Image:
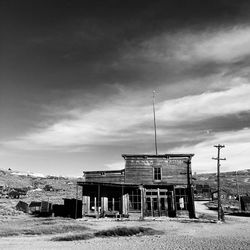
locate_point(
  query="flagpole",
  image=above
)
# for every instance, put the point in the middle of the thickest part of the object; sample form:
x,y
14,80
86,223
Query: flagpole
x,y
154,123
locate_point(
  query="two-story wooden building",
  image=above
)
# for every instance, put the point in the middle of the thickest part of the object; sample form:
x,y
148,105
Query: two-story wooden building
x,y
154,185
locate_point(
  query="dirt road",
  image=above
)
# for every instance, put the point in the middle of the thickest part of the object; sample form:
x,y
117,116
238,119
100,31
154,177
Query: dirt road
x,y
177,234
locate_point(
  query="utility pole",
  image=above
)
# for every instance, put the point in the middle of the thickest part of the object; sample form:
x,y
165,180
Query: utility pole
x,y
238,190
220,212
191,207
237,184
154,123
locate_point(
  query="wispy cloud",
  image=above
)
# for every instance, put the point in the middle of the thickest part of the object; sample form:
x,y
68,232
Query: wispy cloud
x,y
237,146
187,55
228,45
87,88
206,105
117,122
218,45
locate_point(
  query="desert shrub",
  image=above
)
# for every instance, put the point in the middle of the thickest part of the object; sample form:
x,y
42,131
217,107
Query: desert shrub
x,y
8,234
126,231
73,237
41,228
113,232
53,229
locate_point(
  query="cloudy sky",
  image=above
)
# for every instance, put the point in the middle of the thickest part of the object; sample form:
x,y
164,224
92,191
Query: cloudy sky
x,y
76,82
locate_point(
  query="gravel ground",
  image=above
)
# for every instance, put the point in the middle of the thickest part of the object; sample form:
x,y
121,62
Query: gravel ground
x,y
177,234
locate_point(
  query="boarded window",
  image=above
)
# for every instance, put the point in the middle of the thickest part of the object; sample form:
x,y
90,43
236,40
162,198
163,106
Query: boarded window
x,y
157,173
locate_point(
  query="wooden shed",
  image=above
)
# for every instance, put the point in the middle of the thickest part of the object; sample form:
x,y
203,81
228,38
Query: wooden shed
x,y
245,203
22,206
225,195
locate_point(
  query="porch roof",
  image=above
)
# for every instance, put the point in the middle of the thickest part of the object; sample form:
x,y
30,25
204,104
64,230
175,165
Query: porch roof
x,y
86,183
128,185
156,156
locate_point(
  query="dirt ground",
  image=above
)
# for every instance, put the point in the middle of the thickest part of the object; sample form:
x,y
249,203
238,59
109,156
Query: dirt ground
x,y
177,233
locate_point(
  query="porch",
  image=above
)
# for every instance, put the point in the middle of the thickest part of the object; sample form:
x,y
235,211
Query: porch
x,y
110,199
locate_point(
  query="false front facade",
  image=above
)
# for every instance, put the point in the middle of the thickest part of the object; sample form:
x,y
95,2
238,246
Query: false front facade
x,y
152,185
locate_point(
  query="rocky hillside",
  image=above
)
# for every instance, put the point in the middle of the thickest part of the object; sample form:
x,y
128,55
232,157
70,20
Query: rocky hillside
x,y
48,188
228,181
54,188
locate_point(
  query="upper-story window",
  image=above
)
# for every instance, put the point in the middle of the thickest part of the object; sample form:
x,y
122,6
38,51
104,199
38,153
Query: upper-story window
x,y
157,173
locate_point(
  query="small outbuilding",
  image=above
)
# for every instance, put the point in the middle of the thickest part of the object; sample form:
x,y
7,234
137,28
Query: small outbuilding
x,y
245,203
13,194
72,208
22,206
224,194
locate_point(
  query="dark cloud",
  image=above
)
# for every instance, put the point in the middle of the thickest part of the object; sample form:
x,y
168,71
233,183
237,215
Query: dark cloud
x,y
62,54
56,43
215,124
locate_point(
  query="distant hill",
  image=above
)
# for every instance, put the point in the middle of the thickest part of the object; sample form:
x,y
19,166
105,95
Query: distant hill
x,y
64,187
228,181
61,187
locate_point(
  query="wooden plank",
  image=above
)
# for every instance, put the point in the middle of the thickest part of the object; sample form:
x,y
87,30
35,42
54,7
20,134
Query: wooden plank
x,y
113,204
156,190
86,204
95,204
152,207
142,203
158,202
104,179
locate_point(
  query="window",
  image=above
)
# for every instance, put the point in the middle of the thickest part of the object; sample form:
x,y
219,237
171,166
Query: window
x,y
135,200
181,198
157,173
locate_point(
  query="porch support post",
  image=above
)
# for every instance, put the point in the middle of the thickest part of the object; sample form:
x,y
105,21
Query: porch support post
x,y
191,207
98,201
121,209
82,199
142,202
95,204
152,206
76,200
113,204
158,202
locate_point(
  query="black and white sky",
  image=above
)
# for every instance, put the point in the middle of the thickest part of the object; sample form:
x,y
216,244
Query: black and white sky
x,y
76,82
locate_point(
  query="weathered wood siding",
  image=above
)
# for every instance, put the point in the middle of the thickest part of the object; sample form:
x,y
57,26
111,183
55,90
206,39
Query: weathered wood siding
x,y
104,178
140,170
